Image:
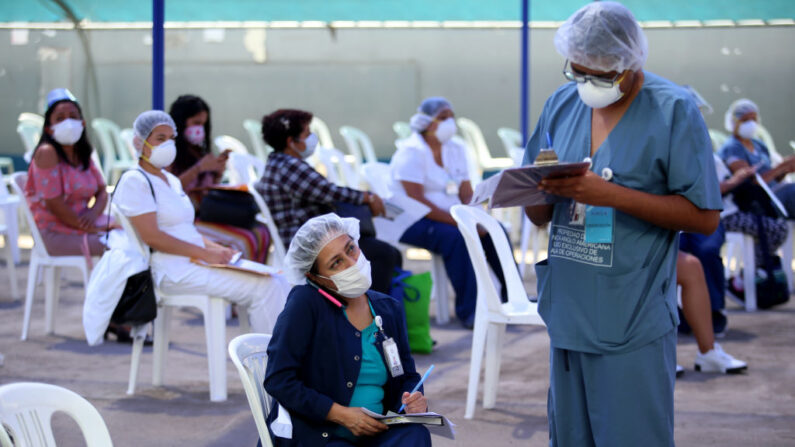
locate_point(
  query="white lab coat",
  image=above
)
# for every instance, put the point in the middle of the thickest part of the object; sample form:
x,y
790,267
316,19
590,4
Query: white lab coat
x,y
107,283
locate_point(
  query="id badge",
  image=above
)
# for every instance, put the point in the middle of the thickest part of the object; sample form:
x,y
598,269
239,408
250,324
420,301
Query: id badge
x,y
392,357
576,213
599,224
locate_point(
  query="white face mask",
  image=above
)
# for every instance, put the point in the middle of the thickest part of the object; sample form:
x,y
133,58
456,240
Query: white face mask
x,y
747,129
354,280
445,130
68,131
598,97
311,144
162,155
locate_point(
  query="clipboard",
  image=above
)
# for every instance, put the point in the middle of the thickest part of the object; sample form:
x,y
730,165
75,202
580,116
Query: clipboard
x,y
242,265
519,186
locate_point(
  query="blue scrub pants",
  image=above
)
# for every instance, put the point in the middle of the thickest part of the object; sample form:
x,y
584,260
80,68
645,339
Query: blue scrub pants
x,y
397,436
707,250
614,399
445,239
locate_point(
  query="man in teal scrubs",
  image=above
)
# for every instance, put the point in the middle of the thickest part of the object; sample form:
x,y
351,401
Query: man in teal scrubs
x,y
607,291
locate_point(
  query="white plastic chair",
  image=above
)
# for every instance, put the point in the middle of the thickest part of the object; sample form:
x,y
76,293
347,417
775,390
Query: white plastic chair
x,y
9,204
511,139
338,169
402,129
491,315
763,134
377,175
744,244
116,156
29,128
127,135
224,142
244,168
249,353
27,409
718,138
213,312
359,145
531,234
474,138
10,265
254,131
264,216
321,129
50,266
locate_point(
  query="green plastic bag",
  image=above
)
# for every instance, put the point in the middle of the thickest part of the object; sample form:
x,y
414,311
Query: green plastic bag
x,y
415,292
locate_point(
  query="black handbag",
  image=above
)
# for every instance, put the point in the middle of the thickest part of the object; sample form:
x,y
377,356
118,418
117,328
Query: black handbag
x,y
229,207
360,212
138,303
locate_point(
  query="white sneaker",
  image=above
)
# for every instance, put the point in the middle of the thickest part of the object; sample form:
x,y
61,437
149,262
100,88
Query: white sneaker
x,y
716,360
679,371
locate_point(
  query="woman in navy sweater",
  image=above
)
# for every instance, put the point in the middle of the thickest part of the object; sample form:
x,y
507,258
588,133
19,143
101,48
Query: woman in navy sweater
x,y
339,347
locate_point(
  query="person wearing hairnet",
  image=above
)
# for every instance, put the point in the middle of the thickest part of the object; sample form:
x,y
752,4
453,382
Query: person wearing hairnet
x,y
162,215
607,291
744,150
425,166
339,347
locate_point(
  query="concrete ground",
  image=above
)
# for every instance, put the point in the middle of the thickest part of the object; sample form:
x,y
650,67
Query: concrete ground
x,y
753,409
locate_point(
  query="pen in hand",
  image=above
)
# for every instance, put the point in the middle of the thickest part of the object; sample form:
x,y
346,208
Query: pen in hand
x,y
417,386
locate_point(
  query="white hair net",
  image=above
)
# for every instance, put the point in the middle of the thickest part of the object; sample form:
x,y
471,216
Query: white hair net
x,y
603,36
146,123
736,111
313,235
429,108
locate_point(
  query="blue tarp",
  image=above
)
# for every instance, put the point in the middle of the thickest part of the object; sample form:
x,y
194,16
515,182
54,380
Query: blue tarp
x,y
330,10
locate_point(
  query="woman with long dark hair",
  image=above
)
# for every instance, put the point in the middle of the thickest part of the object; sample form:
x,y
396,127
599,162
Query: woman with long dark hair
x,y
62,180
199,169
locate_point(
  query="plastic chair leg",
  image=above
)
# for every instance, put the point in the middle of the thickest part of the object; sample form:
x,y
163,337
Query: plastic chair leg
x,y
491,381
135,361
12,269
162,323
243,319
12,226
52,276
527,226
478,346
440,289
749,273
215,332
29,292
786,256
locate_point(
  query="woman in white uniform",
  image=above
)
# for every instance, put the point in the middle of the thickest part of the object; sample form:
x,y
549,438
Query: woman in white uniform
x,y
162,214
425,165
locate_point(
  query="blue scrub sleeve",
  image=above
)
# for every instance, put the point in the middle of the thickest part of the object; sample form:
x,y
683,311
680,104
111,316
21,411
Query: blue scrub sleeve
x,y
733,151
691,170
291,339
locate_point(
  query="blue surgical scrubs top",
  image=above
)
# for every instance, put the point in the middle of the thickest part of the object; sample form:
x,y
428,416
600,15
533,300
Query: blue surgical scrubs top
x,y
616,297
733,150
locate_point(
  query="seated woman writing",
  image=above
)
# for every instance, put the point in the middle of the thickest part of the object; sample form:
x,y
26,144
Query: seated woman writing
x,y
162,214
327,359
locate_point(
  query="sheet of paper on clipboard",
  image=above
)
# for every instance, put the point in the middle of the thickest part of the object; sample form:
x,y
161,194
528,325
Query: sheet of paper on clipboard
x,y
519,186
401,212
243,265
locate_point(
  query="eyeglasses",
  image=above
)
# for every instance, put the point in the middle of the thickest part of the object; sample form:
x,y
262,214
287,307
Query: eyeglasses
x,y
573,74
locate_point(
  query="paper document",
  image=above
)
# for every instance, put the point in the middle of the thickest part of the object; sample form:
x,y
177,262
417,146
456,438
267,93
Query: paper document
x,y
773,198
519,186
401,212
243,265
437,424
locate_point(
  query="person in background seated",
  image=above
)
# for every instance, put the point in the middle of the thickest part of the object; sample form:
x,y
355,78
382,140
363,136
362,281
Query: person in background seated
x,y
63,180
198,169
424,166
325,360
161,212
295,192
695,305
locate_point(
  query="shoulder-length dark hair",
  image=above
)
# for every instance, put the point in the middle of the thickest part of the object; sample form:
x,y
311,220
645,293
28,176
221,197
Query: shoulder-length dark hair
x,y
82,147
188,154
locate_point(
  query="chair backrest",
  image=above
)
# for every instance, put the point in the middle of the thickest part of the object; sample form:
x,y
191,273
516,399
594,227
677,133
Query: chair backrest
x,y
378,175
26,408
359,144
718,138
250,357
468,218
473,166
29,129
244,168
338,170
18,180
132,235
402,129
474,136
109,135
126,148
224,142
763,134
511,138
319,128
254,131
278,245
